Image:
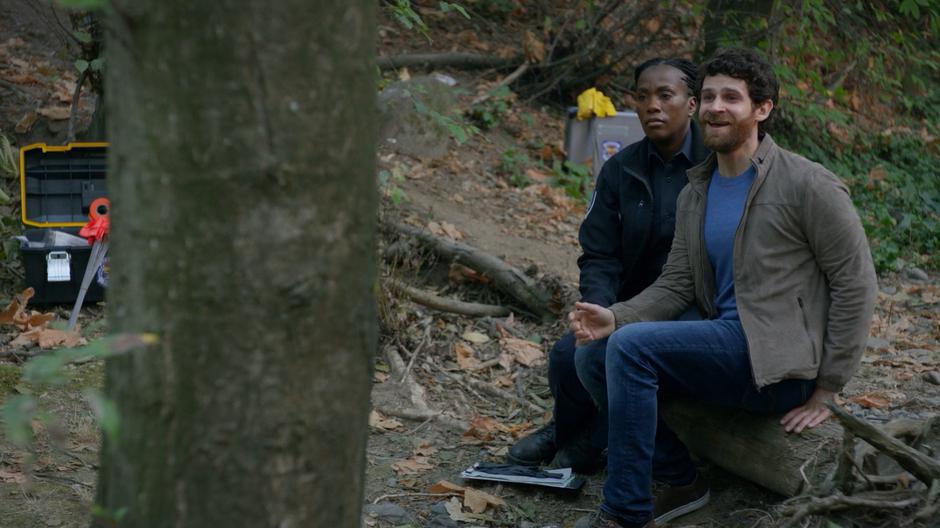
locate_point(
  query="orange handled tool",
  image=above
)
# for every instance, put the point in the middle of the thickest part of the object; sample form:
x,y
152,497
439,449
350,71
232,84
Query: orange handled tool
x,y
96,232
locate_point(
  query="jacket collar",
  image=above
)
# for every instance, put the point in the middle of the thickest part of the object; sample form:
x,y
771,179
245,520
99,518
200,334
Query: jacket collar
x,y
700,174
641,160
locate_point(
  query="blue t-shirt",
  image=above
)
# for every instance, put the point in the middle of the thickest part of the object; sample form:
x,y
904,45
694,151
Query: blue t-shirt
x,y
723,211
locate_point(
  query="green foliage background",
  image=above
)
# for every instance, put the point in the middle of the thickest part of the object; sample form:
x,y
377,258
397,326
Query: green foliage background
x,y
861,95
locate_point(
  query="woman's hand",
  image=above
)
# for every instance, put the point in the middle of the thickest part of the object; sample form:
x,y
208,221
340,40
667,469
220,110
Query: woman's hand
x,y
810,414
590,322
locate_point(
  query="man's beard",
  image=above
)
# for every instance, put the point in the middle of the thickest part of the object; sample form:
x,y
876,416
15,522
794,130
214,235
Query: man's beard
x,y
733,136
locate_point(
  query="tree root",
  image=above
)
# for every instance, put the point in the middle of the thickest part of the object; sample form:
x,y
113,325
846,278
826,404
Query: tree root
x,y
920,465
444,304
836,502
506,278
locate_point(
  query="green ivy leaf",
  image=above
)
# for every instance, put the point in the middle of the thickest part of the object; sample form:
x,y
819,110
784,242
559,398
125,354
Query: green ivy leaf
x,y
82,36
81,65
96,64
105,412
18,413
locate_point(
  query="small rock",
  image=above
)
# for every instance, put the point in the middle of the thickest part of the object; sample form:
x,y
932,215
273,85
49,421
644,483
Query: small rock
x,y
917,274
583,522
932,377
439,509
389,512
442,521
889,290
878,343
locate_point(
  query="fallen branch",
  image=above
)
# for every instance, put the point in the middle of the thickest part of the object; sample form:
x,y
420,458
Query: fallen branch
x,y
509,79
444,304
426,414
932,504
920,465
442,60
508,279
838,501
493,390
421,411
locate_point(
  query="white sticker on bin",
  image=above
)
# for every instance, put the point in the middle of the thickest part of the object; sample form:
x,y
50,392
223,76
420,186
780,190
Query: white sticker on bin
x,y
58,266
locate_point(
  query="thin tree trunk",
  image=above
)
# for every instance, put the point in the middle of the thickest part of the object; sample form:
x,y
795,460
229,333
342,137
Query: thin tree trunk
x,y
242,177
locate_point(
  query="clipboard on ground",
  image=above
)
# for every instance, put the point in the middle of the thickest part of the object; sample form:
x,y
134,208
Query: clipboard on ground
x,y
560,478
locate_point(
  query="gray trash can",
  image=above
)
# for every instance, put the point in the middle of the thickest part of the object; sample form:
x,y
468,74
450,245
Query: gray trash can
x,y
593,141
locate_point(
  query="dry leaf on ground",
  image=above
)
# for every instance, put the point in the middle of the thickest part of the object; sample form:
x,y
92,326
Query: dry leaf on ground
x,y
425,448
445,229
533,48
475,337
459,274
412,466
466,357
477,500
16,306
55,113
48,338
525,352
484,428
378,421
26,122
40,319
445,486
871,400
451,231
455,511
12,476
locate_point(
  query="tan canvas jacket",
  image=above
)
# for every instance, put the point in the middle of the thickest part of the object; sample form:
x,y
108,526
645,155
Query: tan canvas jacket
x,y
803,275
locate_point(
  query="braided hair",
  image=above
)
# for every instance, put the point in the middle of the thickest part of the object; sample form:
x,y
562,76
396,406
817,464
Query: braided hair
x,y
687,67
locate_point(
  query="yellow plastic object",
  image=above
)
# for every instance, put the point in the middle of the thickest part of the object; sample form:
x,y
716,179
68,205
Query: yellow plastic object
x,y
47,148
592,102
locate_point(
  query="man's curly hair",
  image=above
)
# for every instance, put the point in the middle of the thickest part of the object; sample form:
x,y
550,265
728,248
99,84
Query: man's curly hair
x,y
748,66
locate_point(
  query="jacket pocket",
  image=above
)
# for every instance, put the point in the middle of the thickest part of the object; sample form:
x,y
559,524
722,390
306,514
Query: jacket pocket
x,y
809,335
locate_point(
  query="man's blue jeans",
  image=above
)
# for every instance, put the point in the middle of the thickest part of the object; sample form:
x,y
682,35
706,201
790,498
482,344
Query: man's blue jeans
x,y
705,360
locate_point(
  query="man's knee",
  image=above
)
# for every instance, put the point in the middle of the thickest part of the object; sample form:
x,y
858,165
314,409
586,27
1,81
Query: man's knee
x,y
562,354
626,343
561,371
590,363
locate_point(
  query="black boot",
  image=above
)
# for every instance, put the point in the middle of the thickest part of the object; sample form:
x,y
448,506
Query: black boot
x,y
536,449
580,455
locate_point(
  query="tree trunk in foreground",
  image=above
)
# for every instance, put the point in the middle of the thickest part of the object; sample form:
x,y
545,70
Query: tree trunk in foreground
x,y
756,447
242,176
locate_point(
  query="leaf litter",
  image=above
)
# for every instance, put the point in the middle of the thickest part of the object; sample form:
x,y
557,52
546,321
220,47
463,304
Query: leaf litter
x,y
35,327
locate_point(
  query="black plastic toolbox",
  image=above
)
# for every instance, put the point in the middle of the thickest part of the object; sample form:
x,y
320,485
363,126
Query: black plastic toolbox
x,y
57,186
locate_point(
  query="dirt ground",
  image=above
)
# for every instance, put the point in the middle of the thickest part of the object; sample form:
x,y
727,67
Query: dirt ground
x,y
465,193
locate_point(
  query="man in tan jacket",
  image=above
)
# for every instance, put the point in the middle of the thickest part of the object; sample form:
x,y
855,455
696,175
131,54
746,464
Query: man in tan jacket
x,y
770,247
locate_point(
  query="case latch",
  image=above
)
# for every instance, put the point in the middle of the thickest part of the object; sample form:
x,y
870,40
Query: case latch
x,y
58,266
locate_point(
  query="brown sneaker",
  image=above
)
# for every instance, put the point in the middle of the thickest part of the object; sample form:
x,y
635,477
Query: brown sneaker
x,y
675,501
602,519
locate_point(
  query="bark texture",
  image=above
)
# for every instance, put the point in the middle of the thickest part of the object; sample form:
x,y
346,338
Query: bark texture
x,y
242,177
756,447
